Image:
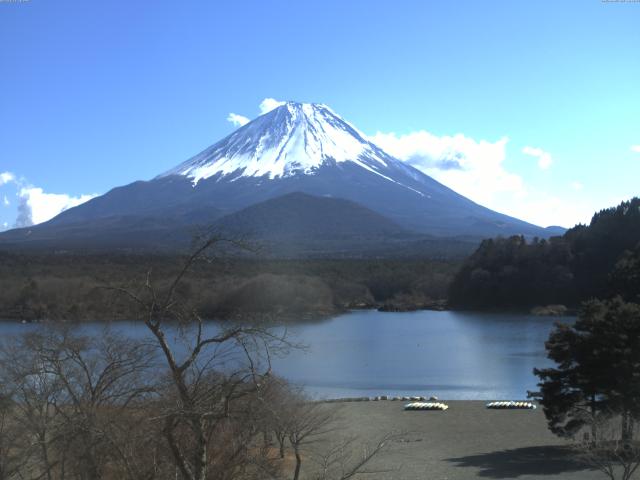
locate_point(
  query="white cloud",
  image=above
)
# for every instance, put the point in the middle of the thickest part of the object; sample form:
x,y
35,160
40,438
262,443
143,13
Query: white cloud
x,y
6,177
544,158
269,104
545,209
37,206
5,225
265,106
475,169
470,167
237,120
34,204
635,148
577,185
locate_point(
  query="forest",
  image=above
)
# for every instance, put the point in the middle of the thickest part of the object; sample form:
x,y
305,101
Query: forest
x,y
81,287
599,260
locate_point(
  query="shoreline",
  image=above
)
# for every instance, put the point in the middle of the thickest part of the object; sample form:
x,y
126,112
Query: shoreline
x,y
290,318
399,399
466,441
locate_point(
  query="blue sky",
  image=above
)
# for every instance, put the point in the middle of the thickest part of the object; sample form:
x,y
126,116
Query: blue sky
x,y
540,98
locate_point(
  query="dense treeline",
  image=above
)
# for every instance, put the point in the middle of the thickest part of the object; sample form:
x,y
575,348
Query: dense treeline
x,y
73,287
598,260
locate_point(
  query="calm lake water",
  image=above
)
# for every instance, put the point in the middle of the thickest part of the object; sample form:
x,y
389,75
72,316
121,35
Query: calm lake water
x,y
453,355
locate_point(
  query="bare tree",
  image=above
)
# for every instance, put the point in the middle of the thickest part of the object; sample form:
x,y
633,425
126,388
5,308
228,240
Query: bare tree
x,y
305,423
12,440
272,412
34,396
100,378
614,449
340,461
209,374
70,395
309,429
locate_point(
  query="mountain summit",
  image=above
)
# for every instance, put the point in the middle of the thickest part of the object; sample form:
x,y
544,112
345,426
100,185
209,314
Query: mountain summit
x,y
297,147
293,139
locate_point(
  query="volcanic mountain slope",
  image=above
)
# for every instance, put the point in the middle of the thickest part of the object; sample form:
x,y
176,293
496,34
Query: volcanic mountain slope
x,y
298,225
294,148
301,216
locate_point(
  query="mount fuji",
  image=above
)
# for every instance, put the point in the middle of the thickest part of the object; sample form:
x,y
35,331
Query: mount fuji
x,y
305,155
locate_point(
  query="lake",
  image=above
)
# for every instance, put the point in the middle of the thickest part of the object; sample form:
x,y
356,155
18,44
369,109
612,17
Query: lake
x,y
453,355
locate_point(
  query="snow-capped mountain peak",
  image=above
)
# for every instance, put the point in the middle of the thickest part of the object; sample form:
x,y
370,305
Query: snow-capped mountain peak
x,y
306,156
293,139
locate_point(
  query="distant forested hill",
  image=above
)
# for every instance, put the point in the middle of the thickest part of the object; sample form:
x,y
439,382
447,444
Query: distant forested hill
x,y
598,260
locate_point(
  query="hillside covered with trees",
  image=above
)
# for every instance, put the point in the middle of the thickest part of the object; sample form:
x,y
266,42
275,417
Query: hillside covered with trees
x,y
80,287
601,260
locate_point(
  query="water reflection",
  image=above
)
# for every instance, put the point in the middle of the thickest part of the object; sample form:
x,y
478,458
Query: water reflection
x,y
449,354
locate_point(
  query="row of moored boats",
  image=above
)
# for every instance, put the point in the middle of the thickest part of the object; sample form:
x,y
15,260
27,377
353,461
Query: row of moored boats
x,y
500,405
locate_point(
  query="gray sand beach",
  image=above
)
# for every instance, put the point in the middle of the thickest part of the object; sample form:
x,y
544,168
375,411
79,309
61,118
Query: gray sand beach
x,y
465,442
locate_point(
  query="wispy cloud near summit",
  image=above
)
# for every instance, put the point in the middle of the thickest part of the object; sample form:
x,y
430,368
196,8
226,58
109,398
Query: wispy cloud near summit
x,y
237,120
269,104
265,106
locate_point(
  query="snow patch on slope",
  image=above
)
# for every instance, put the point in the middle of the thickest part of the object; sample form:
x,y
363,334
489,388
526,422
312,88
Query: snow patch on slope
x,y
295,138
